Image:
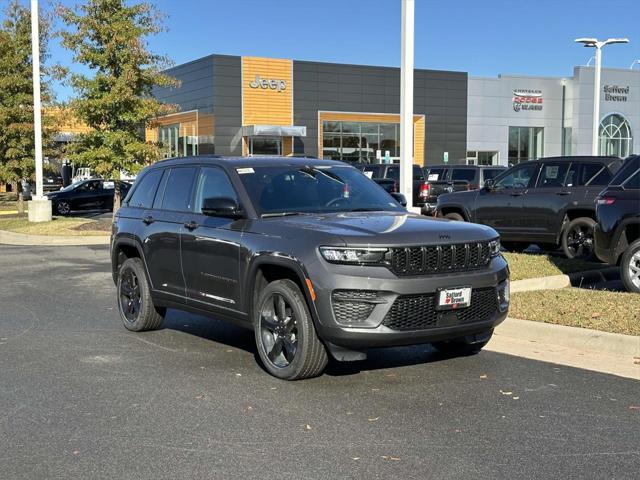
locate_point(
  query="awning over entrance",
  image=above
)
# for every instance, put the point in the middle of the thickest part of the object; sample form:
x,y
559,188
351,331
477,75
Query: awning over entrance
x,y
273,131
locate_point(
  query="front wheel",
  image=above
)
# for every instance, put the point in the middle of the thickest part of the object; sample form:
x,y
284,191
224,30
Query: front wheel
x,y
630,267
135,304
286,338
63,207
577,238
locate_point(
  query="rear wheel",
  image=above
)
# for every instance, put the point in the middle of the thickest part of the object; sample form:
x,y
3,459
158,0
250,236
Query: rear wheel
x,y
469,345
630,267
577,238
454,216
285,334
135,304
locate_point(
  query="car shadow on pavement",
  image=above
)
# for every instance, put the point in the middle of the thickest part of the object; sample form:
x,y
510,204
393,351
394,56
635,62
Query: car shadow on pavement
x,y
227,334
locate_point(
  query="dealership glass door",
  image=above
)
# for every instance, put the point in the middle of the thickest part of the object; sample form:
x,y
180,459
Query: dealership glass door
x,y
525,143
265,146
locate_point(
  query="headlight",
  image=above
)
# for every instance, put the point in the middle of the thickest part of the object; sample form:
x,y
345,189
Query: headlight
x,y
494,247
503,295
353,255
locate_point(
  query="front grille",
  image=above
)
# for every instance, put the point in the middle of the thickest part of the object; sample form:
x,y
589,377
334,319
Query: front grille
x,y
353,306
440,259
417,312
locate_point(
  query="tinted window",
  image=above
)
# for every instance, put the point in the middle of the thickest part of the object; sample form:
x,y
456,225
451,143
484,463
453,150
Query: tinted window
x,y
372,171
491,173
552,175
417,173
436,174
394,173
572,175
628,167
145,190
212,183
518,177
177,193
633,183
90,186
468,174
594,174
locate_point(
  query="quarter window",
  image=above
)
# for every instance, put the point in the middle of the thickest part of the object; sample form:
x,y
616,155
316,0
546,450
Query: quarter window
x,y
594,175
633,183
145,190
177,193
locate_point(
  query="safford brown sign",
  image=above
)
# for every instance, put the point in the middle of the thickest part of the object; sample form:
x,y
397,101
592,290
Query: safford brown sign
x,y
526,99
615,93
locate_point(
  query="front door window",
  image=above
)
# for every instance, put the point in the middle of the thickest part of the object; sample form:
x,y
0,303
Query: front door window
x,y
265,146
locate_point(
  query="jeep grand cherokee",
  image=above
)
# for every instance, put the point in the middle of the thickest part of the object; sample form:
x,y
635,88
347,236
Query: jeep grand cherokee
x,y
312,255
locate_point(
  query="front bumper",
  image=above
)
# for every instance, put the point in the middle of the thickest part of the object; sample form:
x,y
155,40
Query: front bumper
x,y
376,331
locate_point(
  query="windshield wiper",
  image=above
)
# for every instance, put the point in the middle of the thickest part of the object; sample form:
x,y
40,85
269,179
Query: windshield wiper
x,y
279,214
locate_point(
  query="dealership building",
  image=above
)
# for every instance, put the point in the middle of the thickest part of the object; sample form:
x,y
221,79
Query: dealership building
x,y
229,105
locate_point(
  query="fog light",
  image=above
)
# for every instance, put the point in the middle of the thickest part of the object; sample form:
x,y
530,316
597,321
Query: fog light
x,y
503,295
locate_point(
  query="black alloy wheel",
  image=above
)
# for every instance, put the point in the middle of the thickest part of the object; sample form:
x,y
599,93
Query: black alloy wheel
x,y
129,295
577,238
63,207
278,330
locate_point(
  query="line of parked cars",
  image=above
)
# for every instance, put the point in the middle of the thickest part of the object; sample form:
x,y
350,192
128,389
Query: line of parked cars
x,y
585,205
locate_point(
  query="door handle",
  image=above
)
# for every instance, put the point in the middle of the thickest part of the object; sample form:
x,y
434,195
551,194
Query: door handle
x,y
148,220
516,194
191,225
563,193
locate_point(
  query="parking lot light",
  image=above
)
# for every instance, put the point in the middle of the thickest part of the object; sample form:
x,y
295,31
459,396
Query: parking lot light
x,y
598,45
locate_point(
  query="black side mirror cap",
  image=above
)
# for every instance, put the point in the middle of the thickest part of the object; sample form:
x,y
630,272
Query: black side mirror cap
x,y
400,198
221,207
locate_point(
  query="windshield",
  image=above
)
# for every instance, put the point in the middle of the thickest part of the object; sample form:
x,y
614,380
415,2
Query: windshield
x,y
291,189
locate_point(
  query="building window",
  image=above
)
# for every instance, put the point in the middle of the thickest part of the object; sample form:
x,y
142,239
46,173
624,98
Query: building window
x,y
615,136
525,143
265,146
566,141
475,157
178,140
359,141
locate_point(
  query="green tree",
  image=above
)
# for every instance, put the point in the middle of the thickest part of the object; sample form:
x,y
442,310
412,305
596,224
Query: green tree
x,y
16,96
114,98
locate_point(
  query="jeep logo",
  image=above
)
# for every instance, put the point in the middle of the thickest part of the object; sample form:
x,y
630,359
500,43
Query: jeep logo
x,y
273,84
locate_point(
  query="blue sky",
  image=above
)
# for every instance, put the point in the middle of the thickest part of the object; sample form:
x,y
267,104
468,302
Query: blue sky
x,y
482,37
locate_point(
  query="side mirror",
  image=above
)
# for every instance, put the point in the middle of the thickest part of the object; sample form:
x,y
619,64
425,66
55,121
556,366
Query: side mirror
x,y
489,184
400,198
221,207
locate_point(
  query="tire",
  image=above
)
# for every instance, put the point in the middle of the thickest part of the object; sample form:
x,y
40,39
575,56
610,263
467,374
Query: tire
x,y
454,216
577,238
515,246
462,346
289,349
135,304
630,267
63,207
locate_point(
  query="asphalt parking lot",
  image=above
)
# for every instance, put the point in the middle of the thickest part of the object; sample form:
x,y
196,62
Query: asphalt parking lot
x,y
81,397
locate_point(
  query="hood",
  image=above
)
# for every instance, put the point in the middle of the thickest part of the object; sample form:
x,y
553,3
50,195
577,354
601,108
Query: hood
x,y
379,228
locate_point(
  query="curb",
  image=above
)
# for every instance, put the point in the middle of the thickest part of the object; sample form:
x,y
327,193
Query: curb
x,y
572,337
21,239
555,282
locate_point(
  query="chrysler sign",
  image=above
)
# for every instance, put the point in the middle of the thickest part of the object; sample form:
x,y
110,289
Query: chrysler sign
x,y
265,83
525,99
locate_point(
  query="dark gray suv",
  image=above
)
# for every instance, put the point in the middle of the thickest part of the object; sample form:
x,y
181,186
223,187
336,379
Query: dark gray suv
x,y
312,255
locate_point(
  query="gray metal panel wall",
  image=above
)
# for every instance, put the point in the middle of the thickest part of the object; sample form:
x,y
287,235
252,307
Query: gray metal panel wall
x,y
195,91
227,104
440,95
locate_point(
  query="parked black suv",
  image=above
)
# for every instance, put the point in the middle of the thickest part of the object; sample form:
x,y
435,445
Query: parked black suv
x,y
454,178
391,171
310,254
548,202
617,234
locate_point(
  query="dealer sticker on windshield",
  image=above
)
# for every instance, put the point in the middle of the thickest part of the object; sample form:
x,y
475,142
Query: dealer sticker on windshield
x,y
453,298
244,171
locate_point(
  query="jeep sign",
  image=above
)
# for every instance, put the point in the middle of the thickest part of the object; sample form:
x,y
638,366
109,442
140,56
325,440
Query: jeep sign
x,y
273,84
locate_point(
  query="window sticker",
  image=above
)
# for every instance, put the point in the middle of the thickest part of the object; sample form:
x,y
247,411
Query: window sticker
x,y
433,177
242,171
368,174
552,172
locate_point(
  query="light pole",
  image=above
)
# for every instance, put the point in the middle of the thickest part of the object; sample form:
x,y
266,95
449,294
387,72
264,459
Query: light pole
x,y
39,206
595,43
406,102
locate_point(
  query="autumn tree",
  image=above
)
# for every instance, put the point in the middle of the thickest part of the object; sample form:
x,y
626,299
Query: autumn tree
x,y
17,150
114,97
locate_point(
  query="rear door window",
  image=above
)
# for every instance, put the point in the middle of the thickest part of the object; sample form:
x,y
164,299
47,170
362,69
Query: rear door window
x,y
463,174
145,190
417,173
371,171
177,193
